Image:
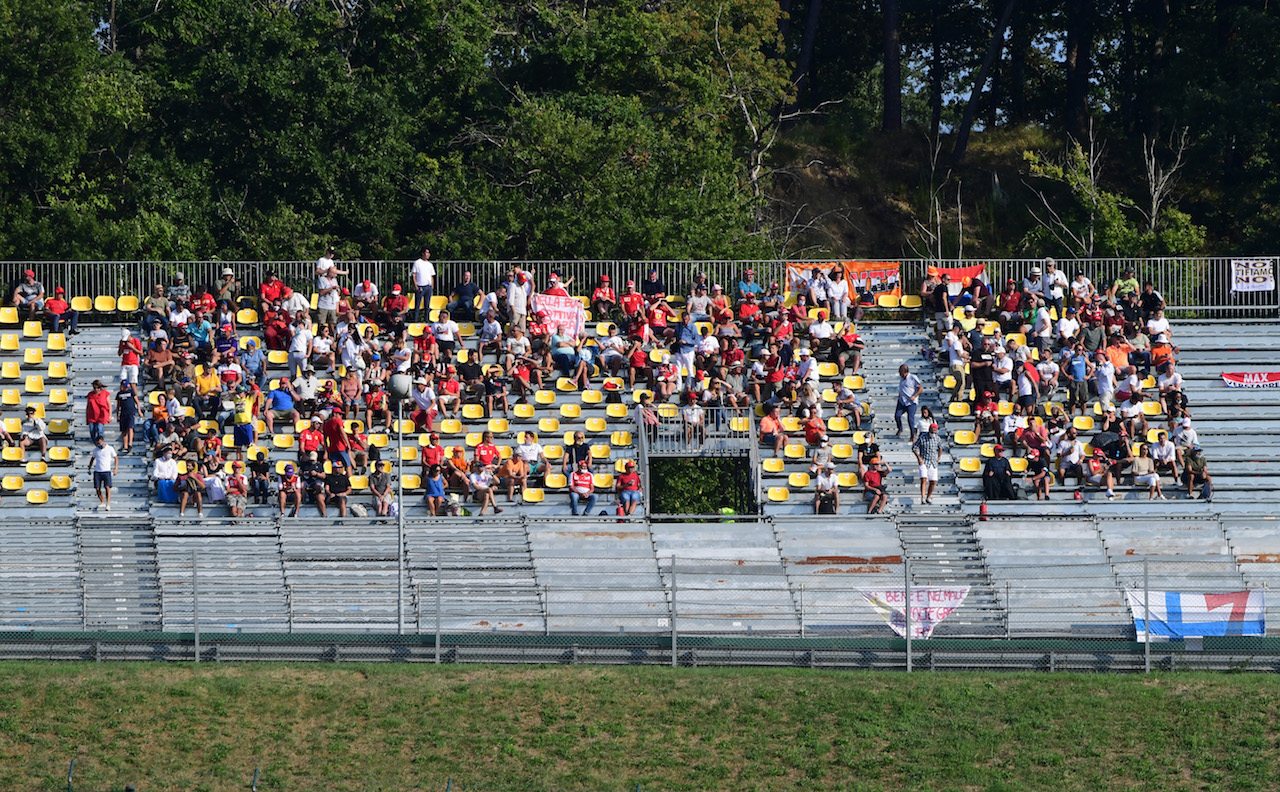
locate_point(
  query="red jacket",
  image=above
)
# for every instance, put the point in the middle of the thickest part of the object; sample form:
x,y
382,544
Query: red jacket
x,y
98,410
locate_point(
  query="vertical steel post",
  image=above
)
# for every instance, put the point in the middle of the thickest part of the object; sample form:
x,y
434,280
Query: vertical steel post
x,y
439,596
802,613
674,630
195,605
399,518
906,606
1146,617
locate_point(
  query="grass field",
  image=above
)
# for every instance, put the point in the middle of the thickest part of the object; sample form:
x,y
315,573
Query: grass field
x,y
401,727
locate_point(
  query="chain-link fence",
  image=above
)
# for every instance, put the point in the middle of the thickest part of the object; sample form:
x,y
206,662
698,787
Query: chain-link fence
x,y
620,592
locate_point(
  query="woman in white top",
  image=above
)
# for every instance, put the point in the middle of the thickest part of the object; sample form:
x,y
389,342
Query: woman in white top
x,y
446,332
531,452
322,349
838,296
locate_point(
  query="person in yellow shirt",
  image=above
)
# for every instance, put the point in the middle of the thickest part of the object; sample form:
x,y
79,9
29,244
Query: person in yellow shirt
x,y
208,400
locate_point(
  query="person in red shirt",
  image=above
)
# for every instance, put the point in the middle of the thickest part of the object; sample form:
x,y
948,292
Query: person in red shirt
x,y
97,410
271,291
582,489
395,307
448,390
57,310
336,443
486,452
815,430
631,301
874,494
276,331
203,301
432,454
555,288
628,490
603,300
311,439
129,349
659,314
377,409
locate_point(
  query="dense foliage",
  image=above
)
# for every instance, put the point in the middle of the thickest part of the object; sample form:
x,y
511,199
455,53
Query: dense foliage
x,y
660,128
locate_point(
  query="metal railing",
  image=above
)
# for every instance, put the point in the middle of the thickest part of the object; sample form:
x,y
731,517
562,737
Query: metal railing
x,y
1193,286
693,430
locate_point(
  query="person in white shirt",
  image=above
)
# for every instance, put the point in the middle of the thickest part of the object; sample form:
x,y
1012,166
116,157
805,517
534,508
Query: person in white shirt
x,y
1053,285
180,316
1033,284
1043,329
1070,453
1165,454
956,359
821,331
531,452
838,295
327,299
1082,289
166,467
295,304
423,275
1157,324
300,347
699,305
827,486
325,261
1184,437
1002,373
446,332
1068,327
103,463
1170,384
1104,378
807,371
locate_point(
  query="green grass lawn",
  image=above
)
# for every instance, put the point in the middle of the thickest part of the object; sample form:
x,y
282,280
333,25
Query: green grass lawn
x,y
401,727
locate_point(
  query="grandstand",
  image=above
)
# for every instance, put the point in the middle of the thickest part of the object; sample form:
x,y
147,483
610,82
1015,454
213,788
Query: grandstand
x,y
1053,568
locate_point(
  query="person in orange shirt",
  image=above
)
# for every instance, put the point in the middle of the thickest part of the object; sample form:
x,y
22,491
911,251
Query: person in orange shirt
x,y
771,430
1118,351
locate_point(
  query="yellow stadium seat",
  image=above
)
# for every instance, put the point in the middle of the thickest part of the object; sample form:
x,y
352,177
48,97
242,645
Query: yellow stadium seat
x,y
35,384
620,466
597,425
855,382
282,441
81,304
450,426
600,451
888,301
379,440
127,303
1151,408
473,439
639,392
438,302
410,481
245,339
1018,465
1004,408
57,370
12,483
278,357
406,425
860,437
847,479
970,464
794,451
911,301
354,426
779,494
798,480
472,412
58,396
553,452
359,483
791,424
949,382
10,369
8,315
11,397
828,369
838,424
228,441
616,411
965,437
60,483
990,328
1082,423
39,408
246,316
60,454
571,411
621,439
555,481
829,395
842,451
565,384
550,425
9,342
532,495
524,410
739,423
545,397
774,465
56,342
1153,435
603,481
499,425
104,303
11,453
987,450
655,355
466,330
37,497
668,410
959,409
1149,382
592,397
1020,338
408,453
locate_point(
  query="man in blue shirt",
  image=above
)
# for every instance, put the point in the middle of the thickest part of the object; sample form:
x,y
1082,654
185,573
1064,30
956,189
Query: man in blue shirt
x,y
686,349
1078,371
748,285
254,363
280,405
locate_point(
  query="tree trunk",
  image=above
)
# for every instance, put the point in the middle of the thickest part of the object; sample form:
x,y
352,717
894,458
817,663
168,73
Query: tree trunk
x,y
804,64
1080,15
993,50
1019,44
935,73
892,120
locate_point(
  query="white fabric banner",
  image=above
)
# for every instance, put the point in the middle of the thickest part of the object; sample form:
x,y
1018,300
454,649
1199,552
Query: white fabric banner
x,y
929,606
566,312
1253,275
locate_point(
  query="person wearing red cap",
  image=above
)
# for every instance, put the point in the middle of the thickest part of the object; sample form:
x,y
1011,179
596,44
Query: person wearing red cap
x,y
997,477
29,295
364,298
603,300
58,311
628,489
748,285
395,311
630,301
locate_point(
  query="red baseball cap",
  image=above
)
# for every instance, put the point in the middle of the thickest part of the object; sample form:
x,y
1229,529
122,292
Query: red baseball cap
x,y
604,278
59,290
367,285
30,273
396,289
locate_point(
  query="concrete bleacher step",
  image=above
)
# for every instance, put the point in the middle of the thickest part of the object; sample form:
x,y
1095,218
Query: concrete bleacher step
x,y
118,565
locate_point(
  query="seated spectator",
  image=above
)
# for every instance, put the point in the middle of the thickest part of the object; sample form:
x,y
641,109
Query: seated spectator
x,y
874,492
582,489
462,299
1195,473
997,477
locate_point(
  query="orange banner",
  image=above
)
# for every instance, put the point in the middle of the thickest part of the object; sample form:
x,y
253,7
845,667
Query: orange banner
x,y
877,277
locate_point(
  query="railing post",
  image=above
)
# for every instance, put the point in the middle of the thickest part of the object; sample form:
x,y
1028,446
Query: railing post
x,y
1146,617
439,596
906,606
195,605
802,614
546,608
675,662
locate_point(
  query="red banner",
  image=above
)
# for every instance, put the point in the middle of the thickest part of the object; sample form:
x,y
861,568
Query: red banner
x,y
1252,379
877,277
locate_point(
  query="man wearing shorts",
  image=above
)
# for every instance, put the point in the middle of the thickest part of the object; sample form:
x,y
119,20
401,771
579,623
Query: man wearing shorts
x,y
926,448
103,461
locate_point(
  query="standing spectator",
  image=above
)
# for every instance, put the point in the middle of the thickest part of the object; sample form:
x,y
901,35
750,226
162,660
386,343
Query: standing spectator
x,y
582,489
129,349
300,347
128,408
336,442
997,477
423,274
1054,285
104,463
58,311
29,295
909,390
97,409
926,448
327,301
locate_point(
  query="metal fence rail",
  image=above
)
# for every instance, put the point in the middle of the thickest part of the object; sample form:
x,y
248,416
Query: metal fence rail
x,y
1195,286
